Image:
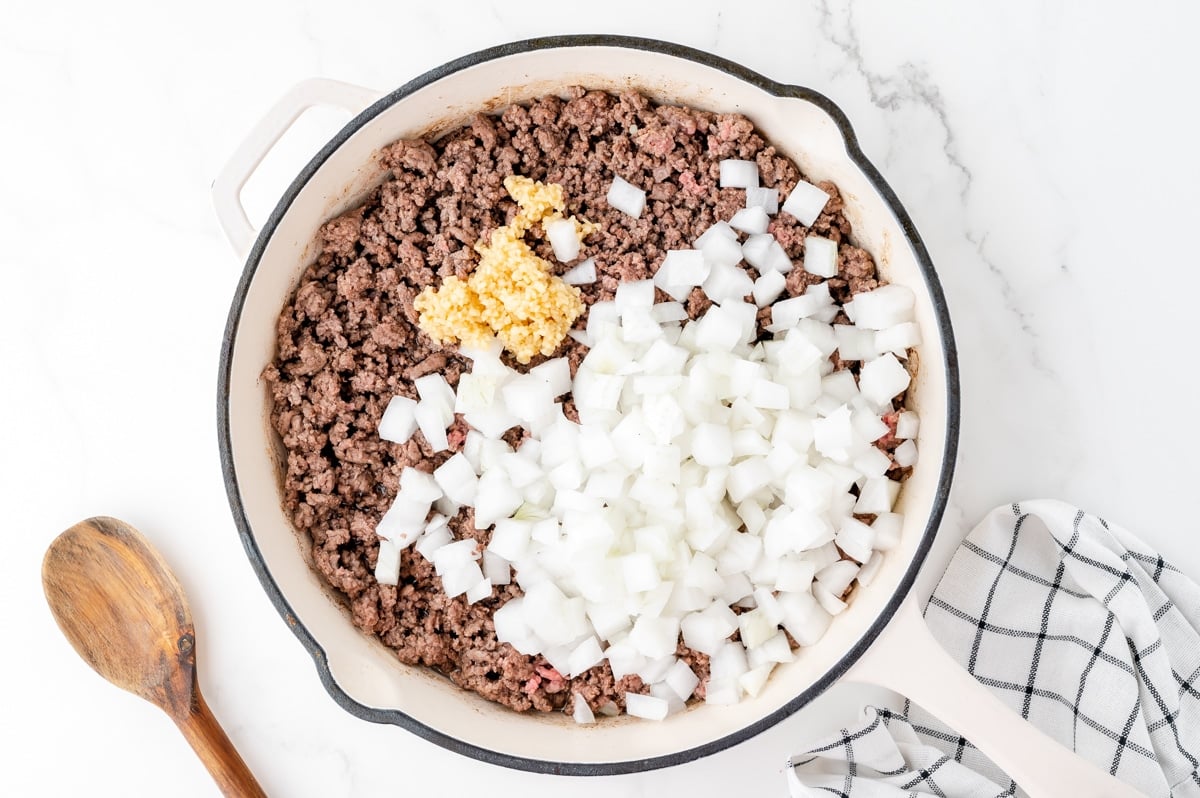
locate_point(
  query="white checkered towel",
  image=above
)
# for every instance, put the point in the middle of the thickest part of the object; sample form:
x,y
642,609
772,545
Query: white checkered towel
x,y
1072,622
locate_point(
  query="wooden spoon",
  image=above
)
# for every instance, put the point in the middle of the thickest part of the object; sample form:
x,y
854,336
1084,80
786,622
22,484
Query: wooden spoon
x,y
122,609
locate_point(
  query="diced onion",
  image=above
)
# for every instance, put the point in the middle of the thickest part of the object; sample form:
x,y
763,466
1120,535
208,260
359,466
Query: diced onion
x,y
582,273
805,202
564,239
820,256
765,198
768,287
645,706
906,454
387,566
750,220
882,379
626,197
581,712
399,421
907,425
719,229
738,174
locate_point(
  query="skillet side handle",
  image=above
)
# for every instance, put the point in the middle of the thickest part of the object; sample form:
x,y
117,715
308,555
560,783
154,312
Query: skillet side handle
x,y
907,659
227,187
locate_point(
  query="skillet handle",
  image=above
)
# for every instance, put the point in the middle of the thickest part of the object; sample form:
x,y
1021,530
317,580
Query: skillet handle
x,y
907,659
227,188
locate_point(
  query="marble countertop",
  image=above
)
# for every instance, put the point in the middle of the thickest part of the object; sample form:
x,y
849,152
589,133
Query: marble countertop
x,y
1046,151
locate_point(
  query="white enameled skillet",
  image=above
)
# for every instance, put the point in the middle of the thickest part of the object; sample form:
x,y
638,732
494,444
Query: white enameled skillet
x,y
880,638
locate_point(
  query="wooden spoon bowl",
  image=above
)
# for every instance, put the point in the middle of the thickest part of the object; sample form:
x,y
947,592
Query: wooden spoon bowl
x,y
119,605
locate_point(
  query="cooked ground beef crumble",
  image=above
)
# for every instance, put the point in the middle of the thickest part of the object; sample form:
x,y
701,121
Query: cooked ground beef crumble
x,y
348,339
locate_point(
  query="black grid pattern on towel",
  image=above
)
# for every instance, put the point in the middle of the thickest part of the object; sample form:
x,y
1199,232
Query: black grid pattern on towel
x,y
1090,654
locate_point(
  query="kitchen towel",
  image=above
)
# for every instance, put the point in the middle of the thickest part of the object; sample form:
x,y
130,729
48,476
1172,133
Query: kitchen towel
x,y
1073,622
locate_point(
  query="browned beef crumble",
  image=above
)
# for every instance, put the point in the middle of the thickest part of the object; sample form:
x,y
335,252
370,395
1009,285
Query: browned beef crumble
x,y
348,339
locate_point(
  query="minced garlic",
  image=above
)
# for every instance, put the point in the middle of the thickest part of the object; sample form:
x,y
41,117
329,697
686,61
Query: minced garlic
x,y
512,293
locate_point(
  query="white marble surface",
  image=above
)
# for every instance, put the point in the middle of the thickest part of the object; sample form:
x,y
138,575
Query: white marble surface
x,y
1045,150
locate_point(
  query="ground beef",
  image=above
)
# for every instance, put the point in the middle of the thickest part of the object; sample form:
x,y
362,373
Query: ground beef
x,y
348,339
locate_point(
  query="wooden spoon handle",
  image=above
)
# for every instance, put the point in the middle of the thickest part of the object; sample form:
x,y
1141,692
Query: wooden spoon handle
x,y
217,753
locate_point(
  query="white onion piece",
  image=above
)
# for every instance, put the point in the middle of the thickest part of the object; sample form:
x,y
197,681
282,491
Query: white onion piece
x,y
496,569
738,174
583,657
768,287
803,618
765,198
856,539
626,197
460,578
898,339
399,421
906,454
755,628
828,601
563,238
787,314
456,478
764,252
655,637
404,521
707,631
724,693
609,709
582,273
556,373
684,267
721,251
836,577
882,379
664,312
634,296
510,539
907,425
752,681
434,538
805,202
581,712
387,564
877,496
556,618
495,499
750,220
682,680
645,706
854,343
725,669
884,307
640,572
834,434
432,423
719,228
675,703
868,425
820,256
608,619
777,649
479,591
477,392
434,390
871,462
